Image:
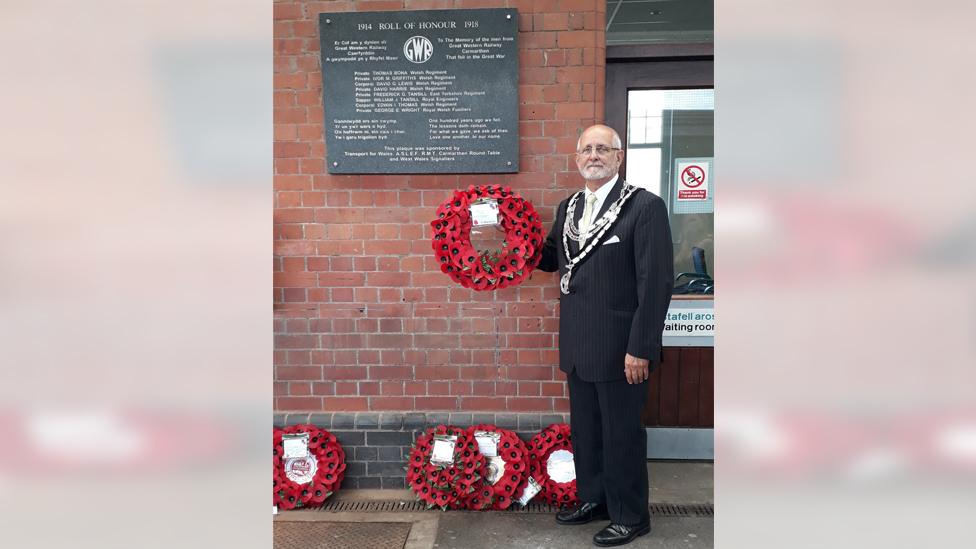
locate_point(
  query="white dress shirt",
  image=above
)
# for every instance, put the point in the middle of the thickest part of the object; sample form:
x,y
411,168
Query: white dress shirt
x,y
601,196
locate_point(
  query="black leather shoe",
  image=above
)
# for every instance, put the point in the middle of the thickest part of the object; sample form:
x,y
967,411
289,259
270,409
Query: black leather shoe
x,y
583,513
618,534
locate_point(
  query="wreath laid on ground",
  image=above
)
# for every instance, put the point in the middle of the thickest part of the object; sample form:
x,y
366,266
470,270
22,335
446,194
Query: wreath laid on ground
x,y
448,483
492,269
506,471
551,465
307,480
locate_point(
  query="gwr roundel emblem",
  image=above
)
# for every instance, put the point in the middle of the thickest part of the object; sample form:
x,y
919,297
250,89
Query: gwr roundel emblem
x,y
301,470
417,49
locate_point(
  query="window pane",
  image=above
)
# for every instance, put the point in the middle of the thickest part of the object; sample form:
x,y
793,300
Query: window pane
x,y
653,129
671,134
688,100
637,130
644,169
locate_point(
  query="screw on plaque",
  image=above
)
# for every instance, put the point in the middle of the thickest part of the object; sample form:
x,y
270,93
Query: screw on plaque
x,y
328,21
334,164
508,16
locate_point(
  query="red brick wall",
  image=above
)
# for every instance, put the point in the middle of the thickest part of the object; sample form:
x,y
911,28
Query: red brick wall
x,y
364,319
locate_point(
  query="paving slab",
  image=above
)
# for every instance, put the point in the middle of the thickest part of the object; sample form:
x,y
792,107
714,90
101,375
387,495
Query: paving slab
x,y
681,481
469,530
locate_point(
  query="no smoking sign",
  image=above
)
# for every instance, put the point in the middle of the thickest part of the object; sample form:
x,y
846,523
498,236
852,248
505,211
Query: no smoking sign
x,y
693,181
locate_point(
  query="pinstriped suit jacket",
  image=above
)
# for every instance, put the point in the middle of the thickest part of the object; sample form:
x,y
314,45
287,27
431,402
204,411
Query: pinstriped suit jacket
x,y
619,294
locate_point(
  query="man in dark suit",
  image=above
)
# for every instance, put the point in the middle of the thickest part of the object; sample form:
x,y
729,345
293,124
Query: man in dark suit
x,y
615,259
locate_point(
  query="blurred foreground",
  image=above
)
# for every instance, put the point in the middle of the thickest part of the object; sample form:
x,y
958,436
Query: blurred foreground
x,y
134,292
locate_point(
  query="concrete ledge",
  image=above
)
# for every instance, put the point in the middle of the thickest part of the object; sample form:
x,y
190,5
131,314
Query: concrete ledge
x,y
674,482
365,494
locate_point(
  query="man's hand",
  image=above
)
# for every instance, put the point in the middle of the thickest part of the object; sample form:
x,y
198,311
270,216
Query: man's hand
x,y
635,369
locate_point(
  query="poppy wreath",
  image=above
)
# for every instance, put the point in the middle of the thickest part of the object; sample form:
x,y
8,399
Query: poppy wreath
x,y
487,270
441,484
324,474
543,444
511,450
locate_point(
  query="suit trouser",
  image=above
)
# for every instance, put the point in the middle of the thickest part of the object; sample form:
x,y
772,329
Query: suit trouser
x,y
610,446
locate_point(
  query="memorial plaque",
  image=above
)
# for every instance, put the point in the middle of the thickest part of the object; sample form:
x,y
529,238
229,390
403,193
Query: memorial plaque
x,y
420,91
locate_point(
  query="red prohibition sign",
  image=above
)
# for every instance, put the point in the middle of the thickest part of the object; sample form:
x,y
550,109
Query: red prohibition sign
x,y
692,176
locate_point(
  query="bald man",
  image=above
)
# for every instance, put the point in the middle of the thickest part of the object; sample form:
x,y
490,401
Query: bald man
x,y
611,243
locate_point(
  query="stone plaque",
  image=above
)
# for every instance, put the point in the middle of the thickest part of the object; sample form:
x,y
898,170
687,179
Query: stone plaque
x,y
420,91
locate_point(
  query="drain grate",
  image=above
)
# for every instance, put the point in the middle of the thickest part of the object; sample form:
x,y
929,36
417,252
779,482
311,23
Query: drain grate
x,y
673,510
394,506
388,506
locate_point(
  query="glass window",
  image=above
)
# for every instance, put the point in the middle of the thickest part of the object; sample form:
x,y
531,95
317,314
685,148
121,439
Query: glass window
x,y
644,168
669,152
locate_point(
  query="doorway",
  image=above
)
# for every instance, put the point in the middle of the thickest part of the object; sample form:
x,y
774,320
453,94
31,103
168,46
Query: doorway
x,y
661,100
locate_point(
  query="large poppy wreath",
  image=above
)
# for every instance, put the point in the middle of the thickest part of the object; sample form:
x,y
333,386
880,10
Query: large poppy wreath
x,y
551,464
505,473
307,481
445,485
487,270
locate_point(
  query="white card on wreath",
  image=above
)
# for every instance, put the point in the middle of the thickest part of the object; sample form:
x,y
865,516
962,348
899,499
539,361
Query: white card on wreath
x,y
484,213
295,446
488,442
443,452
531,489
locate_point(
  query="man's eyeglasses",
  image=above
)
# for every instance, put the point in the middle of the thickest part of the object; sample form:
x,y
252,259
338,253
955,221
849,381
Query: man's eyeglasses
x,y
600,150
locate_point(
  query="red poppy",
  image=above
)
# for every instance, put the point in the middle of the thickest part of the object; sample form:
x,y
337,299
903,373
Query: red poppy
x,y
446,486
330,467
543,444
498,495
